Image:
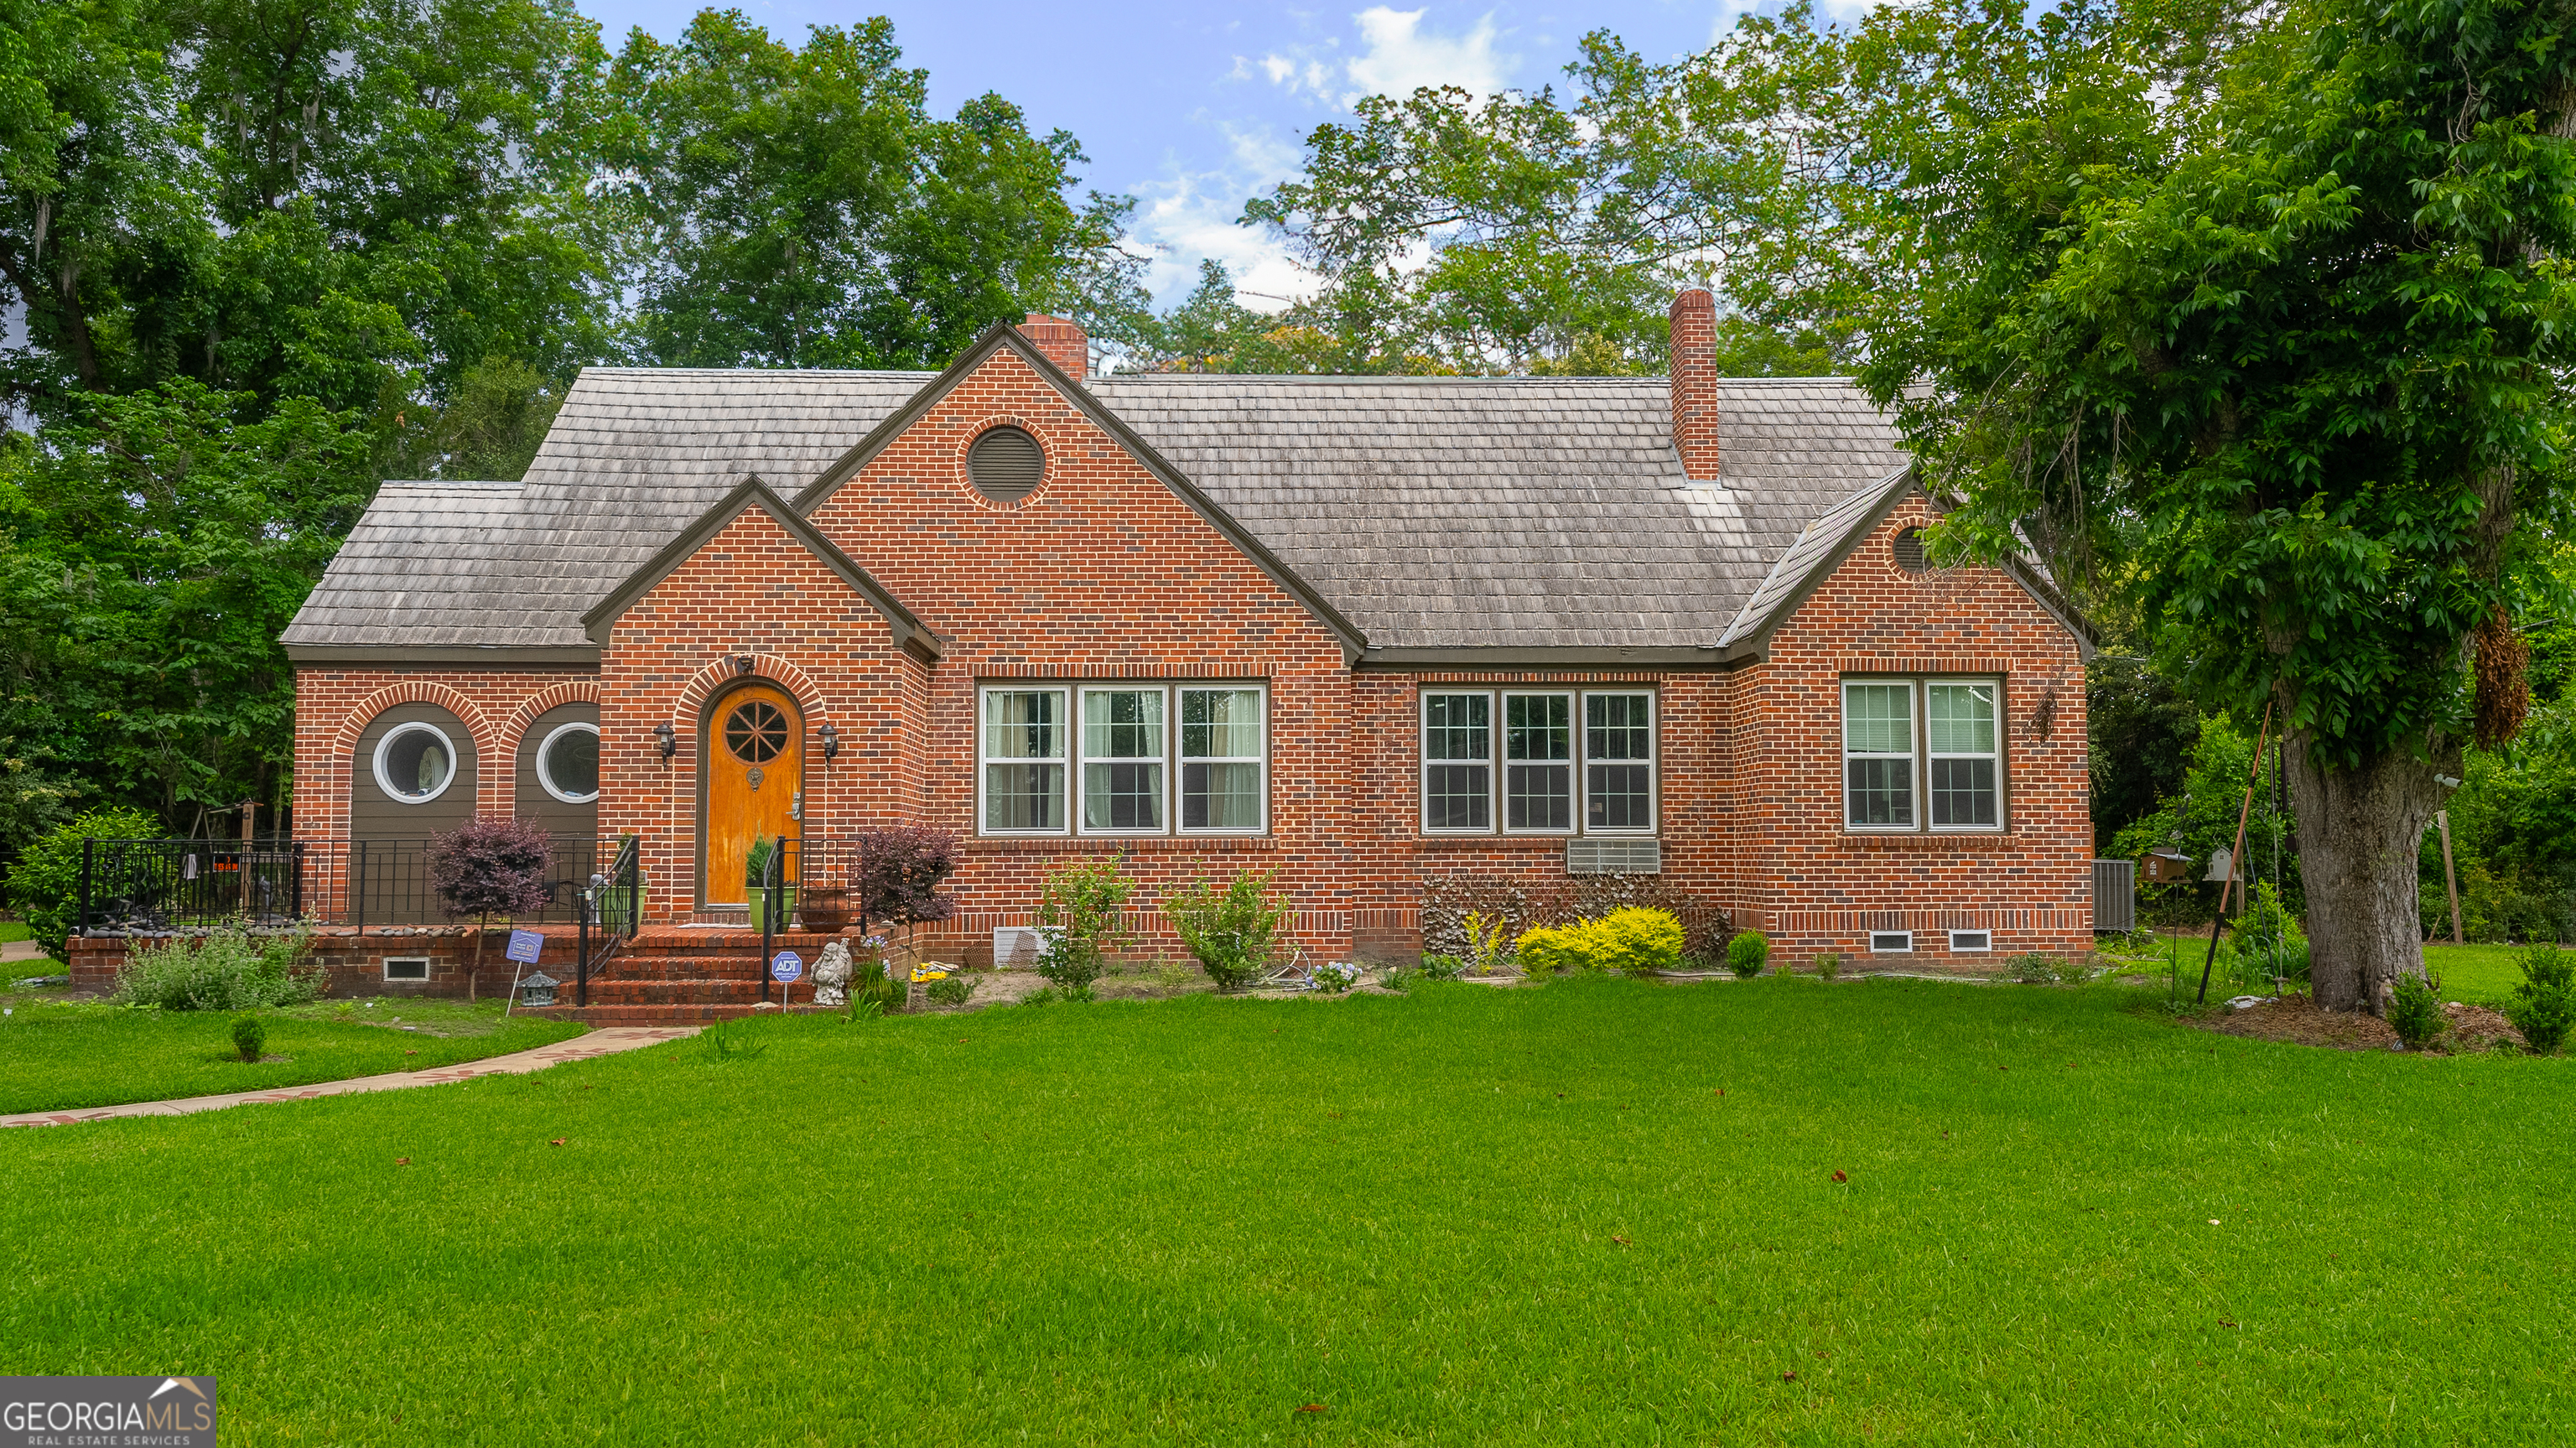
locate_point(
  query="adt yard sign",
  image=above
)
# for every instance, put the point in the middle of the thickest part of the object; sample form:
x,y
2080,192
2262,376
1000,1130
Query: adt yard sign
x,y
786,967
525,945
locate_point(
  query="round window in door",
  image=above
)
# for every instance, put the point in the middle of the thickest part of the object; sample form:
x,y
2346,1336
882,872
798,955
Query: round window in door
x,y
756,731
414,762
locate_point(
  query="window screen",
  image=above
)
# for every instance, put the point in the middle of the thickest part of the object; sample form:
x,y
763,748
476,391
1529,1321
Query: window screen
x,y
1024,747
1457,762
1538,761
1878,754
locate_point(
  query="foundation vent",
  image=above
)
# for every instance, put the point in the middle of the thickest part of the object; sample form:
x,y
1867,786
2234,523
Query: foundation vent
x,y
1614,857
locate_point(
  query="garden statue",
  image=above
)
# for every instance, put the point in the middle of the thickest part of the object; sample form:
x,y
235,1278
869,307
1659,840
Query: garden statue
x,y
832,975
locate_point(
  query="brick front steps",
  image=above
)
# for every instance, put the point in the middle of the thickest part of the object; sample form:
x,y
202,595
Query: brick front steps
x,y
678,974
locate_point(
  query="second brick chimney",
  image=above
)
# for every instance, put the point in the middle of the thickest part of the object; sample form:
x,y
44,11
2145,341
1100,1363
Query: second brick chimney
x,y
1695,382
1063,341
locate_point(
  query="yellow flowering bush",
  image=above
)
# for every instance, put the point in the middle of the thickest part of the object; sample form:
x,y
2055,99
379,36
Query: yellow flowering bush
x,y
1632,938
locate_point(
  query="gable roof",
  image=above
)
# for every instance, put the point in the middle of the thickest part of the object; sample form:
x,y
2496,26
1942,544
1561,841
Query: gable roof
x,y
1002,335
1483,519
909,631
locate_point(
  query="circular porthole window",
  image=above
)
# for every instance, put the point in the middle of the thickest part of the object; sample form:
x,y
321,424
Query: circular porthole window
x,y
756,732
415,762
1006,464
568,763
1908,548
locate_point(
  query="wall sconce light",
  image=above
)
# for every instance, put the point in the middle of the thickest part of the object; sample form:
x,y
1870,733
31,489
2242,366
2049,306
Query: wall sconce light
x,y
831,743
666,741
744,663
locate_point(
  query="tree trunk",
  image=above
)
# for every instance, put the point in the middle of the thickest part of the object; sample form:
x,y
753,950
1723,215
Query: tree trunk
x,y
2360,833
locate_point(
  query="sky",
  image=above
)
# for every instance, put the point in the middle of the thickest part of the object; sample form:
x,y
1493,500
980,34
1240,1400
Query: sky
x,y
1192,108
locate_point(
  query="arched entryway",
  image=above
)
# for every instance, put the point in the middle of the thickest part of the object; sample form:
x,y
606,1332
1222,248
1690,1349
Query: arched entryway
x,y
754,747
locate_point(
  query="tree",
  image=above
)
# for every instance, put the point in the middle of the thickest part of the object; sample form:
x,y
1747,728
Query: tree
x,y
2298,331
490,865
898,874
801,208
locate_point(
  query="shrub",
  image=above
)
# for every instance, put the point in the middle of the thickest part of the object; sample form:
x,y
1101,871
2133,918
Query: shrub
x,y
1335,976
2033,968
2268,943
2415,1010
897,876
1489,941
874,983
1229,932
490,865
249,1036
1747,953
951,990
2544,1005
45,884
1509,909
1829,964
1081,910
1546,949
229,970
1436,966
1630,939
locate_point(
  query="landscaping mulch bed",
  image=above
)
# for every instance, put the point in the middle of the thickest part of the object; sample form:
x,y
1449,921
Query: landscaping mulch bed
x,y
2299,1020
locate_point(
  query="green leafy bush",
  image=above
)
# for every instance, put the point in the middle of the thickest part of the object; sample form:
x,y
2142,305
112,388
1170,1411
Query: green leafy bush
x,y
951,990
229,970
1632,939
1436,966
2034,968
1081,910
2544,1005
1747,953
1230,932
2267,942
2415,1010
1829,964
44,885
249,1036
874,985
1335,976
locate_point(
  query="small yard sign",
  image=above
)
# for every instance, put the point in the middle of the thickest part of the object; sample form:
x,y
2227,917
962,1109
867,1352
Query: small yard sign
x,y
786,967
525,946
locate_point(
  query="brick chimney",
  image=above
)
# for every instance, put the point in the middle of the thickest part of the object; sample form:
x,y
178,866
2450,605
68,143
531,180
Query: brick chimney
x,y
1063,342
1695,382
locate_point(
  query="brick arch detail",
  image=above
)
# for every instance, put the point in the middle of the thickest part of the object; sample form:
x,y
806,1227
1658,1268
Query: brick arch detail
x,y
489,790
555,696
704,685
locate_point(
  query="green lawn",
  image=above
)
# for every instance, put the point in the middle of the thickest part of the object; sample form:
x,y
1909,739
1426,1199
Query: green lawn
x,y
2484,973
57,1055
1468,1216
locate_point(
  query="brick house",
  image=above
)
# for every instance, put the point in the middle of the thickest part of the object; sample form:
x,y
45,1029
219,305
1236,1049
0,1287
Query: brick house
x,y
1362,631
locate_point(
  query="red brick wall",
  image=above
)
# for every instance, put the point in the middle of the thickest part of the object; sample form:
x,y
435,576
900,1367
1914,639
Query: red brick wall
x,y
1816,886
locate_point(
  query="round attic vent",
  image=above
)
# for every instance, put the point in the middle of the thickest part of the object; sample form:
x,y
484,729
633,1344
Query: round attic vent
x,y
1006,464
1908,549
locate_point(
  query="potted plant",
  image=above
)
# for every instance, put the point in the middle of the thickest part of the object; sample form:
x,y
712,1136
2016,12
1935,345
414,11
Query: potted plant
x,y
755,879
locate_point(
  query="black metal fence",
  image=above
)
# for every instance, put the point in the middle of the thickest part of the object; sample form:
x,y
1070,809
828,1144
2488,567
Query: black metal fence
x,y
157,886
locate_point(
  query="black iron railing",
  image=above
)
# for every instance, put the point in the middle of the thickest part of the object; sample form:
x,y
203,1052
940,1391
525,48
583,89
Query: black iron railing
x,y
157,886
613,911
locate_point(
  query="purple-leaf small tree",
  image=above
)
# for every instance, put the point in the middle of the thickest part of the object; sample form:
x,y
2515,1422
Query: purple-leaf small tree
x,y
898,875
490,865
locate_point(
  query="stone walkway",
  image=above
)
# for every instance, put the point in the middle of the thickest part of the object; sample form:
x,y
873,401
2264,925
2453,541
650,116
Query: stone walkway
x,y
606,1042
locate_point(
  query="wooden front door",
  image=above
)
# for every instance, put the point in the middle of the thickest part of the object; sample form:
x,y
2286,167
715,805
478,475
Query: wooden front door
x,y
755,753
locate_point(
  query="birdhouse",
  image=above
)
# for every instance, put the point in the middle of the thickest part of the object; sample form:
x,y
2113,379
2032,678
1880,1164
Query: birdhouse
x,y
2164,867
2222,867
538,990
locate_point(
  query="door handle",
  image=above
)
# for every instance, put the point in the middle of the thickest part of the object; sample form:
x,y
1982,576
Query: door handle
x,y
796,806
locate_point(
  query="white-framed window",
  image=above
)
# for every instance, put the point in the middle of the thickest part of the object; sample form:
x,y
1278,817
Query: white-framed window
x,y
1529,761
1538,764
1971,941
1123,784
568,763
1923,753
1457,762
406,967
415,762
1891,942
1022,741
1225,759
1618,764
1124,759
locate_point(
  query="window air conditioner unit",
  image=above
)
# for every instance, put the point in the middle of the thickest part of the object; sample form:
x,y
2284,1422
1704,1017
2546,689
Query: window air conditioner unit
x,y
1614,857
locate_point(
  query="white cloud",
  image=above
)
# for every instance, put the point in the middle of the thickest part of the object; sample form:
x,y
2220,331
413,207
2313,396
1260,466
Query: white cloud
x,y
1402,56
1397,56
1191,214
